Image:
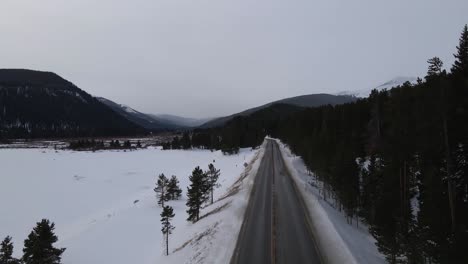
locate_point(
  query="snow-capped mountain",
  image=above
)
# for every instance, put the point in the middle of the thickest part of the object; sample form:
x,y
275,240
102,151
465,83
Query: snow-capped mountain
x,y
387,85
144,120
153,122
128,109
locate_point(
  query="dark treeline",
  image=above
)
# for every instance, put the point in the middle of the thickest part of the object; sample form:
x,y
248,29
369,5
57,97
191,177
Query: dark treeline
x,y
92,144
240,132
396,160
202,139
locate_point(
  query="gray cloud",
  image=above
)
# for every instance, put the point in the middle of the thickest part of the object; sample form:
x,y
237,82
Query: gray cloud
x,y
214,57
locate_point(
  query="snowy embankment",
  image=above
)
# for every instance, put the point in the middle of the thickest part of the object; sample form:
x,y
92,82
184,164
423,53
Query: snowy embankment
x,y
213,238
338,241
105,209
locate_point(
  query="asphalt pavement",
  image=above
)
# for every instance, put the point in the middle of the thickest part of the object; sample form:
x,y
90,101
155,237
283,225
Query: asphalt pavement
x,y
276,224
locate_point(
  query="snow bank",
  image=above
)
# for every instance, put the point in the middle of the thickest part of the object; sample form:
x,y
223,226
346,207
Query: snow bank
x,y
338,241
104,206
213,238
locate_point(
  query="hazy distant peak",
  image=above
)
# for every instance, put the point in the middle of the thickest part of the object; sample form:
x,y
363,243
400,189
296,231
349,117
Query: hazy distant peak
x,y
397,81
181,121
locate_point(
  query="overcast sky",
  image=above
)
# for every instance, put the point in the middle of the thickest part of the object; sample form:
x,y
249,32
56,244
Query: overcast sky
x,y
203,58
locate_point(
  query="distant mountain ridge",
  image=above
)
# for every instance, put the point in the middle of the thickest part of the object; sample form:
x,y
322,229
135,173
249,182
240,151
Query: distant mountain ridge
x,y
43,104
181,121
311,100
154,122
144,120
398,81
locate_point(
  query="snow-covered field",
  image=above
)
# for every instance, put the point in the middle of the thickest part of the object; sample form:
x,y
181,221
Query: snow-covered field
x,y
105,209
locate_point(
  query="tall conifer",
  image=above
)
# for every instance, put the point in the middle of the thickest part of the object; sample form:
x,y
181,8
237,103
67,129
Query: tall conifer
x,y
196,194
39,248
166,217
6,252
460,66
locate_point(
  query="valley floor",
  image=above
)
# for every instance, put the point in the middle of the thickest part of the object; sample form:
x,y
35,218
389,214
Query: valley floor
x,y
104,206
106,211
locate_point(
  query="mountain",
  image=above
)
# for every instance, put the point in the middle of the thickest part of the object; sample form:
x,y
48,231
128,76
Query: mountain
x,y
398,81
310,100
181,121
42,104
147,121
159,122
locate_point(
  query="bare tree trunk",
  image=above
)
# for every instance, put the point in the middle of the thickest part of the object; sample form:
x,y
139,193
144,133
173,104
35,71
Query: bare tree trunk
x,y
404,195
212,191
405,189
401,191
167,243
379,125
451,190
162,197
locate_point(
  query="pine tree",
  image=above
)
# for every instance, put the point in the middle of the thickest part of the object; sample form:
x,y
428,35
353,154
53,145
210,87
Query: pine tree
x,y
166,217
212,180
38,247
161,189
196,194
175,144
6,252
435,66
185,141
460,66
173,190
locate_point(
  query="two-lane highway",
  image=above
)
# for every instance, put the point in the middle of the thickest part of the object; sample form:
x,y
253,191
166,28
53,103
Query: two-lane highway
x,y
276,226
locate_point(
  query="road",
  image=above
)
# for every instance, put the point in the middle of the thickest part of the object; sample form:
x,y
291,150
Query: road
x,y
276,225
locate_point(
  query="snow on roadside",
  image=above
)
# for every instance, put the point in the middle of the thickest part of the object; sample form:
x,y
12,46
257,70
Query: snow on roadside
x,y
213,238
104,206
338,241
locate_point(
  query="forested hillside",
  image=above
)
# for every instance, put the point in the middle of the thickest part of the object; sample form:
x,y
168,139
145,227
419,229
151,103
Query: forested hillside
x,y
42,104
398,159
309,100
